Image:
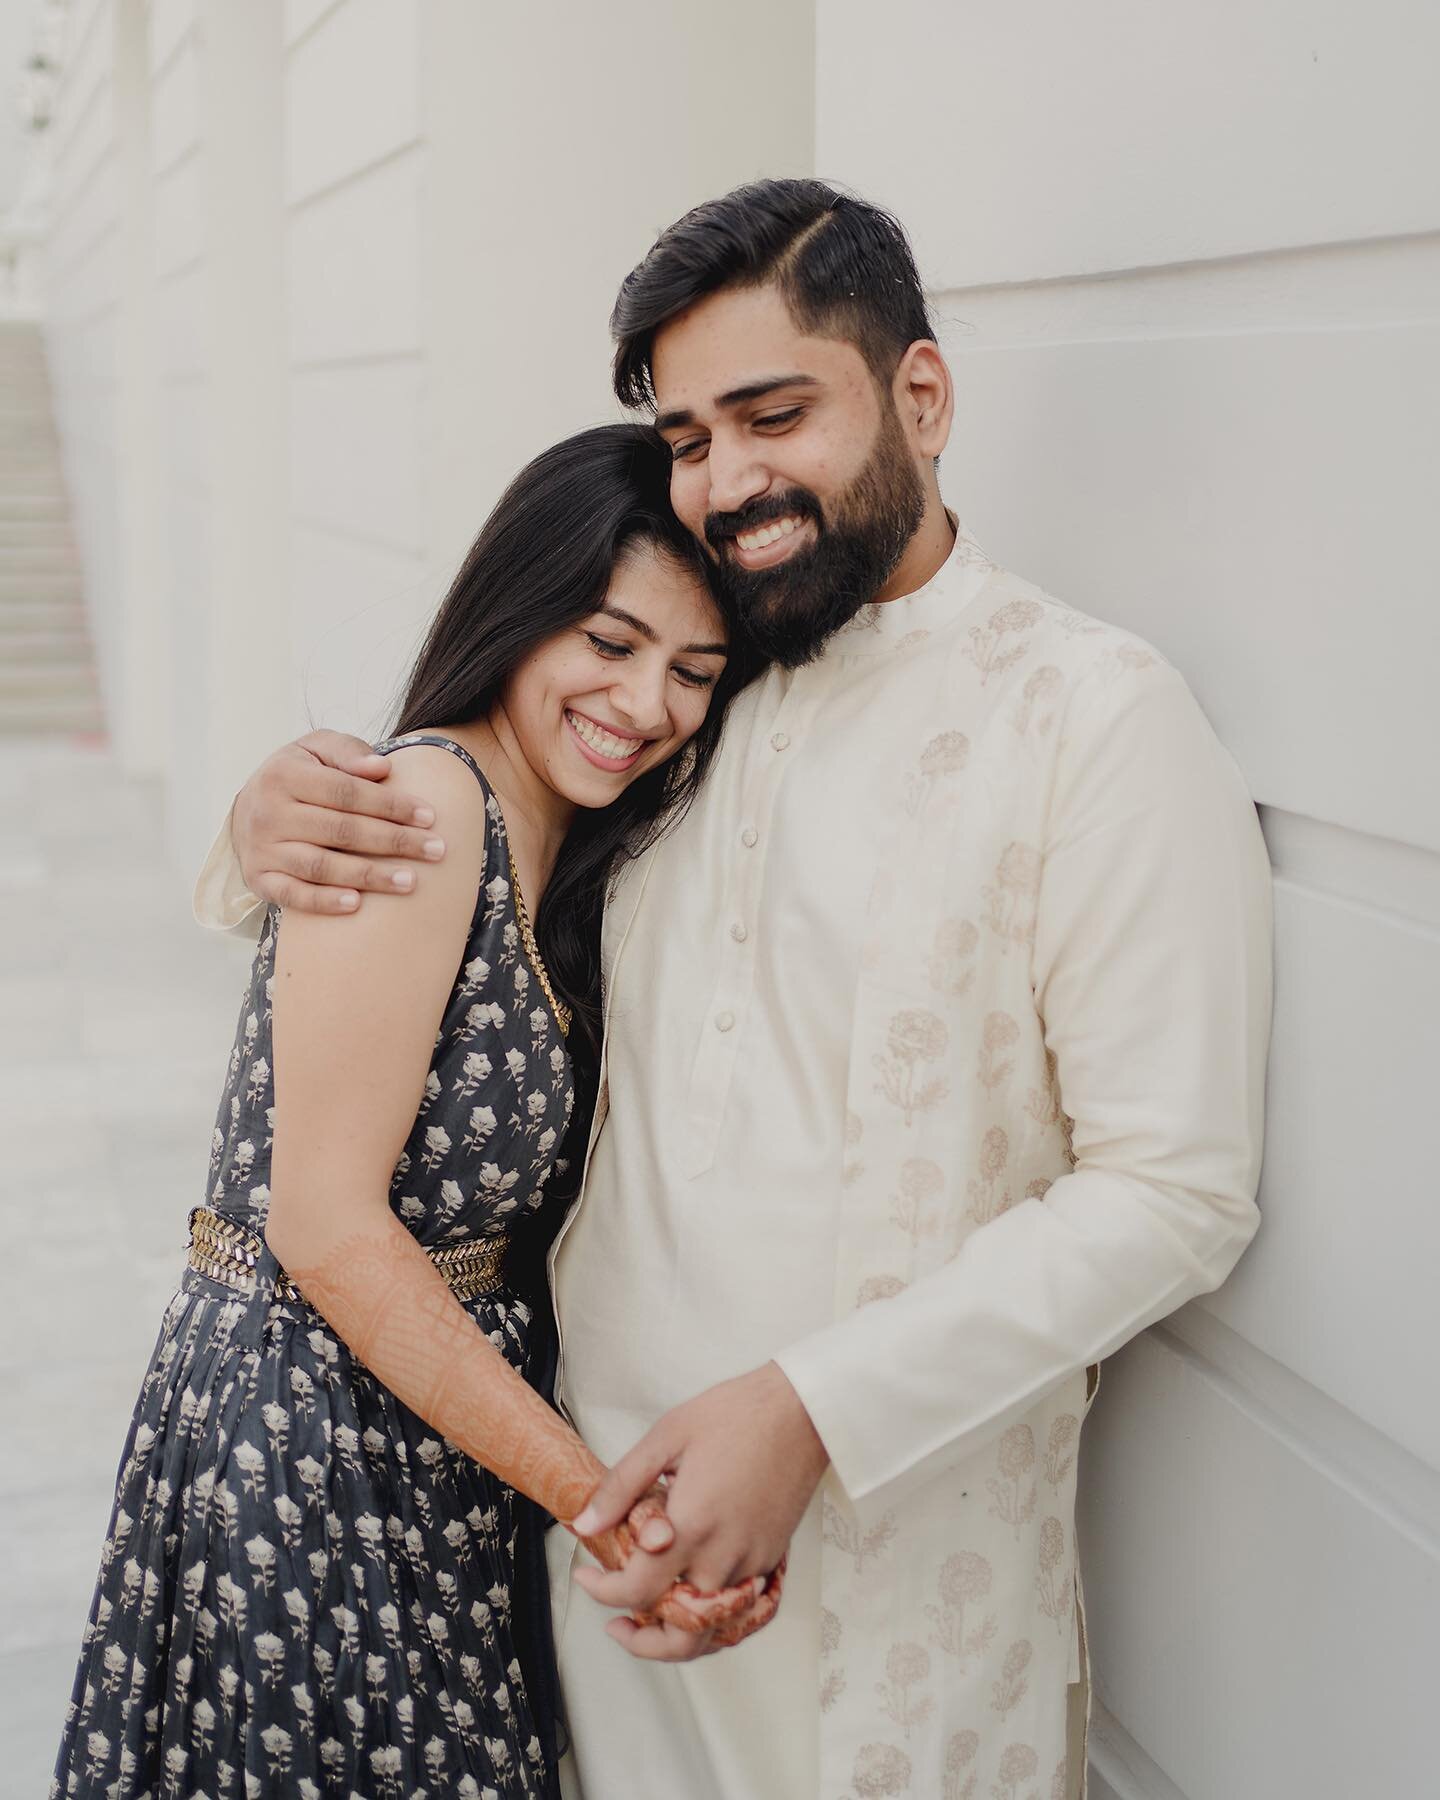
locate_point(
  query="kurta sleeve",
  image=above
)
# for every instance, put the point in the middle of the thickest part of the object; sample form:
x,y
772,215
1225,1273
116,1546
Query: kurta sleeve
x,y
221,901
1152,980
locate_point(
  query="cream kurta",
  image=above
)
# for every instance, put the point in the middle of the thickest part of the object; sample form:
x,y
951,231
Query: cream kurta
x,y
974,885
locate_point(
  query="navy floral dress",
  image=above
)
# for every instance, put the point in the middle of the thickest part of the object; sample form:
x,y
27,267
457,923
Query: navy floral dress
x,y
305,1590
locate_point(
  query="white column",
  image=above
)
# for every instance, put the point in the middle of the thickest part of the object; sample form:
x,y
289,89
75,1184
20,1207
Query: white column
x,y
244,675
139,715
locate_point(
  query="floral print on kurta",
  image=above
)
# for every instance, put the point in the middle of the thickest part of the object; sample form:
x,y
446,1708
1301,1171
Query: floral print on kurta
x,y
305,1590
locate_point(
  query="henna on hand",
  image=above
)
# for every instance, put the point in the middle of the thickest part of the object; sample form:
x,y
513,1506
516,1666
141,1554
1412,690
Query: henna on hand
x,y
384,1297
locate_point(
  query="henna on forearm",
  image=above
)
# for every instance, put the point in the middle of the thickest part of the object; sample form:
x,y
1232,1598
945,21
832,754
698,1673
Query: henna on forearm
x,y
384,1297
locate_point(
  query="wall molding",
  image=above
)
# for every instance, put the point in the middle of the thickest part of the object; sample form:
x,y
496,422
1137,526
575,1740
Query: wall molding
x,y
1119,1768
1386,1479
1373,284
309,197
1396,882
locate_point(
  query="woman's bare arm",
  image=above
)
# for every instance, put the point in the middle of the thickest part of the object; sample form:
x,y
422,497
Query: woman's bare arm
x,y
357,1005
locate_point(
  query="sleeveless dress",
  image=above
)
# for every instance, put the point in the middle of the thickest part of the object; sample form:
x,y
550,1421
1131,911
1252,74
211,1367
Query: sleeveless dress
x,y
305,1590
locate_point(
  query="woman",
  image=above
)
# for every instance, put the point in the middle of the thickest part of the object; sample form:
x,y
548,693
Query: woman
x,y
321,1576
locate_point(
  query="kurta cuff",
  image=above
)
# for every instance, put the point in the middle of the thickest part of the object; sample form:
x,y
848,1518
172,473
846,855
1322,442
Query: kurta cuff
x,y
221,901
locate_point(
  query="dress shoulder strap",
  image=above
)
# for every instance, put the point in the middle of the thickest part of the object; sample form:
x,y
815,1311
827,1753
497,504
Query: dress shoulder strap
x,y
440,742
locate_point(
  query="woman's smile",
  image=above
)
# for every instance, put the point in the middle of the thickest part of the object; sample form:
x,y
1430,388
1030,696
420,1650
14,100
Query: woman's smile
x,y
602,745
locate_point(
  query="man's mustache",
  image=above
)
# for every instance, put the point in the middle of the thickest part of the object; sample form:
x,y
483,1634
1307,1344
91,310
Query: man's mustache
x,y
721,528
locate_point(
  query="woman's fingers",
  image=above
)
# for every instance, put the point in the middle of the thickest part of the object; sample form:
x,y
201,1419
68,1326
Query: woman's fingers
x,y
649,1526
658,1643
691,1610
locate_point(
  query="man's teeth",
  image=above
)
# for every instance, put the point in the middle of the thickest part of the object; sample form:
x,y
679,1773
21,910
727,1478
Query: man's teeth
x,y
767,534
604,741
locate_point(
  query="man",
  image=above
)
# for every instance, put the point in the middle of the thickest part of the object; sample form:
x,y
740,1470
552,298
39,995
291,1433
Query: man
x,y
935,1044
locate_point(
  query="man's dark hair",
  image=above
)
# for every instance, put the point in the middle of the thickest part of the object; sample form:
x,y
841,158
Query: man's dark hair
x,y
845,268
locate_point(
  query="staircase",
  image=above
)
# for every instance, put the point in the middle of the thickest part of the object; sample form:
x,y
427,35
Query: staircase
x,y
47,669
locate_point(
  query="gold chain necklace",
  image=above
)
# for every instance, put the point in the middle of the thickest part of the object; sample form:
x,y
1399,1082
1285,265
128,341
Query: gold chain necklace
x,y
561,1011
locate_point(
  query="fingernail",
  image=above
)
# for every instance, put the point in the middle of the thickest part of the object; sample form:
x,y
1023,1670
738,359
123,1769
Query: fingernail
x,y
654,1535
583,1524
424,815
402,878
434,848
348,902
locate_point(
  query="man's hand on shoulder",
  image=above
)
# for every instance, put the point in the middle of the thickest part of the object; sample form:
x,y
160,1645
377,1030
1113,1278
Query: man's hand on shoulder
x,y
317,825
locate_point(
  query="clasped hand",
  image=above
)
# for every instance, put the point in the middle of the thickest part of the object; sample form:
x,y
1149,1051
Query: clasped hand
x,y
740,1463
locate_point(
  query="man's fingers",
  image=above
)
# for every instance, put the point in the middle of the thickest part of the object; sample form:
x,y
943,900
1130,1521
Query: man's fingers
x,y
298,896
624,1485
314,784
311,866
359,835
342,751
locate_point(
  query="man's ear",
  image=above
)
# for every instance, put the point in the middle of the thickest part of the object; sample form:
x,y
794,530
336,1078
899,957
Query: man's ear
x,y
925,397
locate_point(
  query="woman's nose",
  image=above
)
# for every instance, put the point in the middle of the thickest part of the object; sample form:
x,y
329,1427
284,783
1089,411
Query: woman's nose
x,y
639,696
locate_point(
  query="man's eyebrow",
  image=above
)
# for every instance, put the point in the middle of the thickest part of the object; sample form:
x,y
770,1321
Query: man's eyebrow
x,y
651,637
752,390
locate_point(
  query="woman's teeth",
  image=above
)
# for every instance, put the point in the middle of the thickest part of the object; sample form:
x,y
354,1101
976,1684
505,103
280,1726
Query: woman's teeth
x,y
767,534
604,742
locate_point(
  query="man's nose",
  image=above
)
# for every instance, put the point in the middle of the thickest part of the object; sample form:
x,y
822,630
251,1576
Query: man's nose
x,y
737,475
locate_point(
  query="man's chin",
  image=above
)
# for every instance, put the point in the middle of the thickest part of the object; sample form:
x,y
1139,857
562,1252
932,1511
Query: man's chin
x,y
792,629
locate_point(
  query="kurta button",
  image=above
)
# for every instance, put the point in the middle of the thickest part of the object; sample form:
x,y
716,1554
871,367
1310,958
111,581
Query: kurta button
x,y
780,741
738,932
749,837
724,1021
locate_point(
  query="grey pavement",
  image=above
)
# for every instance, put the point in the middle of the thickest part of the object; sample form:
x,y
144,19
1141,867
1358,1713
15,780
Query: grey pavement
x,y
116,1015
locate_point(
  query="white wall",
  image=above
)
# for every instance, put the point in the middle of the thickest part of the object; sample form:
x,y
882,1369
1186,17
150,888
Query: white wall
x,y
335,270
1185,263
322,276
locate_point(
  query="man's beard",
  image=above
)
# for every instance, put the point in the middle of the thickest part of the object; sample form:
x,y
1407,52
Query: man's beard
x,y
790,611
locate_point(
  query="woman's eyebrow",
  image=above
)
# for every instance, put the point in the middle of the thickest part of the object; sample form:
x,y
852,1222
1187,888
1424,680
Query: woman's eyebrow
x,y
651,636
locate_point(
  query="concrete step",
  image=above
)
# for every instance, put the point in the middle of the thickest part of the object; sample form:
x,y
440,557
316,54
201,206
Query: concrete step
x,y
22,495
63,674
20,553
38,559
26,470
20,616
23,717
29,587
46,643
29,509
32,527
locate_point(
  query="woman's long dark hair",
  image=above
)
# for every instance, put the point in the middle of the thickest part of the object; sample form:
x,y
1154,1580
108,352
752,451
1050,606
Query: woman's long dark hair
x,y
542,562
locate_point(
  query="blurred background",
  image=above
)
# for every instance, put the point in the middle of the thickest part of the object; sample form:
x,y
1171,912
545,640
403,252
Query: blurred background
x,y
287,291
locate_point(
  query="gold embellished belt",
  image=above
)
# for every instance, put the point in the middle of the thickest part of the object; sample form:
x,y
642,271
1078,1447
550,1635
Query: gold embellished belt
x,y
228,1252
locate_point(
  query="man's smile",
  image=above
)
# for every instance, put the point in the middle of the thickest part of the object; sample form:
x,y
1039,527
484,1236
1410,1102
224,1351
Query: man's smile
x,y
772,542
